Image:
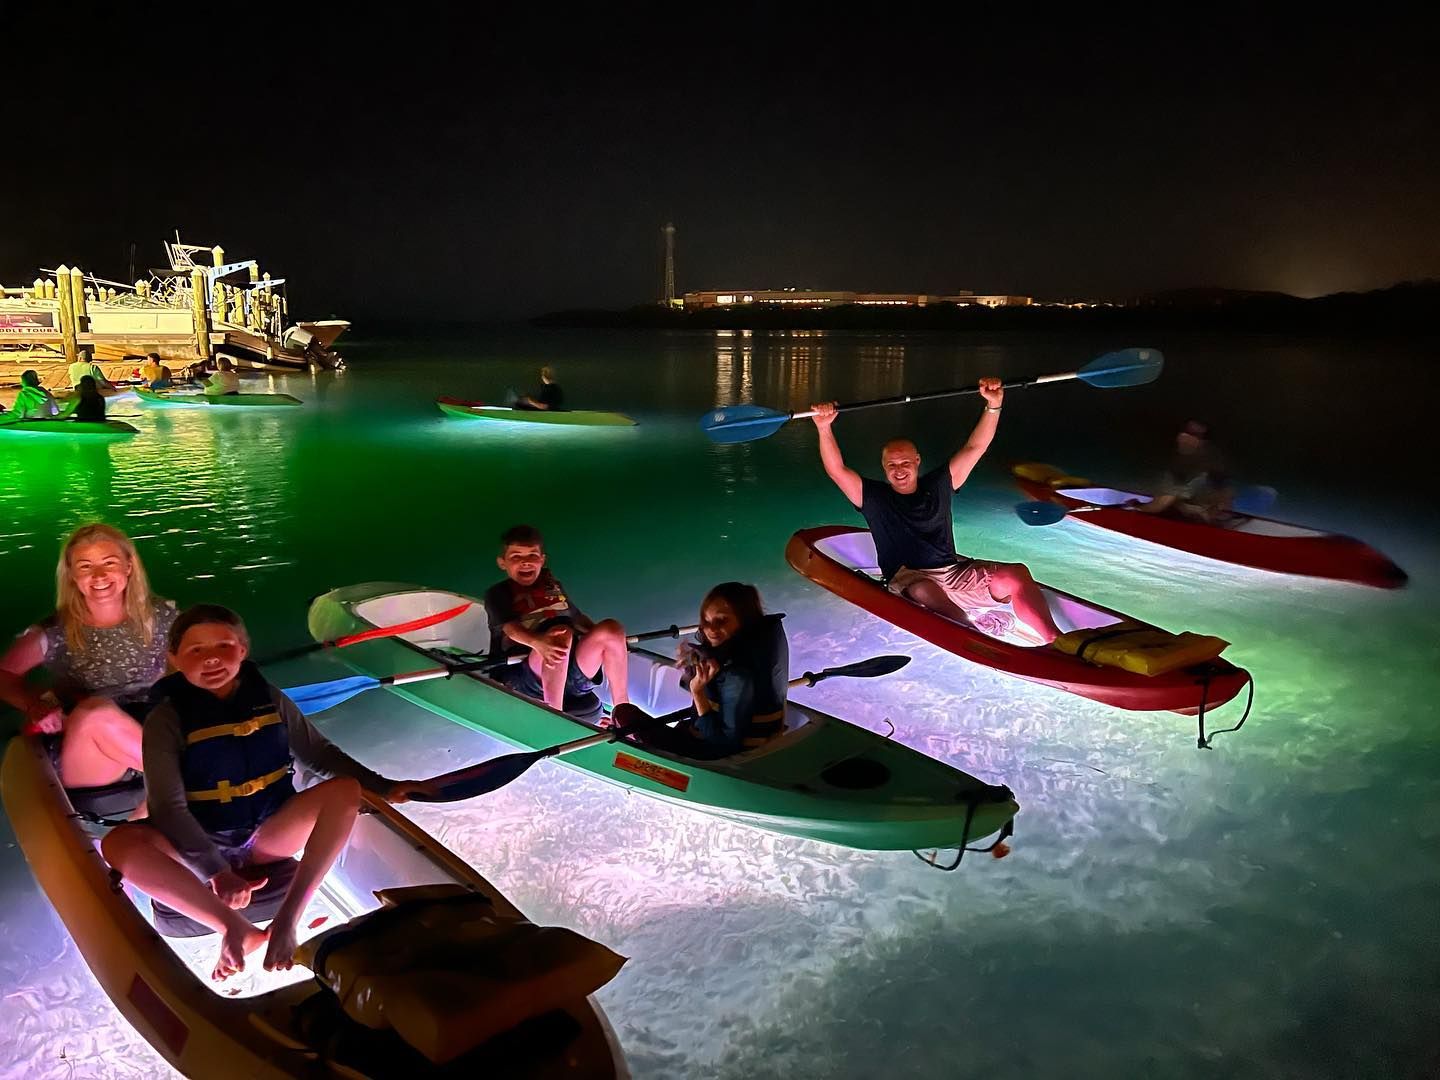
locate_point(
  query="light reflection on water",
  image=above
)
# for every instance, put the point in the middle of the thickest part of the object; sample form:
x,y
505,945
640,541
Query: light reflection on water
x,y
1264,908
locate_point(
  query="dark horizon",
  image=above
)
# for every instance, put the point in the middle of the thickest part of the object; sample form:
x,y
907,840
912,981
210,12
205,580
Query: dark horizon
x,y
428,170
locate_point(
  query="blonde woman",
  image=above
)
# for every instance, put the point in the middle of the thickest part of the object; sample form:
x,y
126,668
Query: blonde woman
x,y
104,647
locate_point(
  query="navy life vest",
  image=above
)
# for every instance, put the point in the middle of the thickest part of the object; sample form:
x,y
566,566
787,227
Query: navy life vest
x,y
764,652
236,765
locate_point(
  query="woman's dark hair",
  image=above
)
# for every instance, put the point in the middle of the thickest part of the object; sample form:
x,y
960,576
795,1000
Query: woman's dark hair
x,y
87,385
743,599
199,615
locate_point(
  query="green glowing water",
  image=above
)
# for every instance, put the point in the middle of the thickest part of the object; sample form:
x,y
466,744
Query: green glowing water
x,y
1264,909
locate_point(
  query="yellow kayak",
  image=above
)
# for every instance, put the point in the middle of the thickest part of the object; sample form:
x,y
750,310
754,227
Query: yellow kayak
x,y
305,1029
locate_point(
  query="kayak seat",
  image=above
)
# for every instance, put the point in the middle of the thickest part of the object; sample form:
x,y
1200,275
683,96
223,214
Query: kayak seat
x,y
263,904
108,801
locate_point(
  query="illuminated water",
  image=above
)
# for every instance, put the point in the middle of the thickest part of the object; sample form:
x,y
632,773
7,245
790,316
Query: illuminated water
x,y
1266,909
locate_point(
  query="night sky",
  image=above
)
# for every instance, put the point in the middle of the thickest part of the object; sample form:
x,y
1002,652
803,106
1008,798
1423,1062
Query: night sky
x,y
430,163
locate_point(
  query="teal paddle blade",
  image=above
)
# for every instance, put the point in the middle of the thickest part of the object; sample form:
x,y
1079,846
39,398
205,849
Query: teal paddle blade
x,y
1257,499
1128,367
1040,513
742,423
317,697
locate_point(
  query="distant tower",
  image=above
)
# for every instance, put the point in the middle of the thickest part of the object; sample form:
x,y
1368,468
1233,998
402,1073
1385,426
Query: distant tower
x,y
667,287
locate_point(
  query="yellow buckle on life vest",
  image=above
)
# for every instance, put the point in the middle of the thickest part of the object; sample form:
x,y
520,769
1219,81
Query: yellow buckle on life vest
x,y
227,791
770,725
239,730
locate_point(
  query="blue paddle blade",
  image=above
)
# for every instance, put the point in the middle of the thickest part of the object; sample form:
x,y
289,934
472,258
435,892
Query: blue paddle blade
x,y
480,779
1128,367
1257,499
742,423
317,697
1040,513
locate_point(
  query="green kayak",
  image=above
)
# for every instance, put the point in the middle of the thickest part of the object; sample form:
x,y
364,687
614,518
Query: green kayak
x,y
477,410
821,778
185,401
69,429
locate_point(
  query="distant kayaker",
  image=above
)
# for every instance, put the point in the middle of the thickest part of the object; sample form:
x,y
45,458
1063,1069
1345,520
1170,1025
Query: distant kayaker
x,y
909,518
1196,484
548,397
104,647
220,749
530,611
34,401
736,670
224,381
90,403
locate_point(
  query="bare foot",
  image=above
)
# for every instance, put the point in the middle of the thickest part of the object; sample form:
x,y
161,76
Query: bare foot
x,y
238,942
280,956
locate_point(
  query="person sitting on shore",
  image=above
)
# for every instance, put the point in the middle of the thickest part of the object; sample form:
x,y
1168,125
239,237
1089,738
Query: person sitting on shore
x,y
1195,484
910,521
548,398
34,401
530,612
224,381
220,751
104,647
89,402
737,671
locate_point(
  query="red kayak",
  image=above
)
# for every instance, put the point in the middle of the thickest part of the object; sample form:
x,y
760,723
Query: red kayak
x,y
842,559
1247,540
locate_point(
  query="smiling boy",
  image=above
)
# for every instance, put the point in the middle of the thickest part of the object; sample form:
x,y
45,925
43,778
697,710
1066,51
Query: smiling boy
x,y
530,612
219,753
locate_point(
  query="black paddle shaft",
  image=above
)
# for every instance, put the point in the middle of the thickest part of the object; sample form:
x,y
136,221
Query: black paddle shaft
x,y
1017,384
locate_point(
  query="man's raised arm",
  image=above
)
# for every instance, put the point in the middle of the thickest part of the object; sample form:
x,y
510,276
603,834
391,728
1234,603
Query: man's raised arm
x,y
975,446
845,478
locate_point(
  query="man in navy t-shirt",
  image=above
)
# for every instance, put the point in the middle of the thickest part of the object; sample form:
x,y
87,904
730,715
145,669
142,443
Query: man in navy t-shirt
x,y
909,518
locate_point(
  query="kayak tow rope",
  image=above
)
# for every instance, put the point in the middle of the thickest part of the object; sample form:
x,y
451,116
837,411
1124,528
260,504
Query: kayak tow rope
x,y
1203,741
999,848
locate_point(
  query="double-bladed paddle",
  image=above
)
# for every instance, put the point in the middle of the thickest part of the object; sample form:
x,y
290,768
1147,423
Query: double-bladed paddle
x,y
1253,501
422,623
487,776
746,423
317,697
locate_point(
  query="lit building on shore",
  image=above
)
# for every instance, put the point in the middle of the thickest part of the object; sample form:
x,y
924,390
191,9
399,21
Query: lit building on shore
x,y
695,301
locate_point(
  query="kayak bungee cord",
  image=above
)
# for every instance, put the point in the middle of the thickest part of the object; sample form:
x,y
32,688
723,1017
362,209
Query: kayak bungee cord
x,y
999,848
1203,742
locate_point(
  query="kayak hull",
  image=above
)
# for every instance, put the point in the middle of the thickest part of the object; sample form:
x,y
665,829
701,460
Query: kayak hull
x,y
70,429
816,554
1259,543
202,1032
475,410
789,785
157,400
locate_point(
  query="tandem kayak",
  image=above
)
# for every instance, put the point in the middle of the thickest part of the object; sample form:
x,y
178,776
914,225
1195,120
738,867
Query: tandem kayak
x,y
478,410
1246,540
160,400
821,778
159,981
68,429
842,559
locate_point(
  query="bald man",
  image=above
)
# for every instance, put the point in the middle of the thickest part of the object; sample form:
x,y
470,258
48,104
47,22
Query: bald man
x,y
909,517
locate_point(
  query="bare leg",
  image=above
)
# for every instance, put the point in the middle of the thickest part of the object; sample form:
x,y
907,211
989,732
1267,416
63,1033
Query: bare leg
x,y
101,741
604,647
318,820
552,676
146,859
1011,583
929,594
